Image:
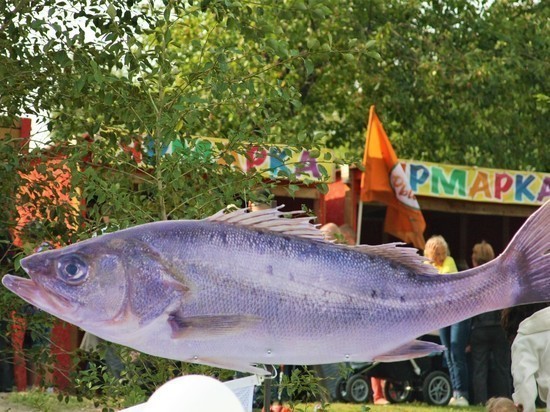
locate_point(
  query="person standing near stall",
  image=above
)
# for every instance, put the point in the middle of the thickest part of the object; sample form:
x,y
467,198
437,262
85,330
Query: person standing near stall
x,y
490,348
454,337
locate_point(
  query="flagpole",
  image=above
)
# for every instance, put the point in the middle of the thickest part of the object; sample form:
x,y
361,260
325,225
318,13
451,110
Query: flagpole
x,y
367,135
360,208
359,222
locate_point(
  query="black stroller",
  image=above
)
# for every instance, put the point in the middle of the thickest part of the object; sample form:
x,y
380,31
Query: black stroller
x,y
425,379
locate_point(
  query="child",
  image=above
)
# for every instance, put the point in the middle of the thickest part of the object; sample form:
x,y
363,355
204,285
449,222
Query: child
x,y
502,405
531,360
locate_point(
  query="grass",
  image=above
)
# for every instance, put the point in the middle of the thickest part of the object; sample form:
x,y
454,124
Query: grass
x,y
405,407
45,402
37,400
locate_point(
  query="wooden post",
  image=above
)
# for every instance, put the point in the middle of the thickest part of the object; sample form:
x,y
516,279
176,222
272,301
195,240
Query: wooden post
x,y
267,394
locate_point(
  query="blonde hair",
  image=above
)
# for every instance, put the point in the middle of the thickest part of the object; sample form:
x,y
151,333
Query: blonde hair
x,y
482,253
434,245
502,405
331,231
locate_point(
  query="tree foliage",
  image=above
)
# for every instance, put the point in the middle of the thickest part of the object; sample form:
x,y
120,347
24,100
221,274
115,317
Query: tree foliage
x,y
120,70
466,84
459,81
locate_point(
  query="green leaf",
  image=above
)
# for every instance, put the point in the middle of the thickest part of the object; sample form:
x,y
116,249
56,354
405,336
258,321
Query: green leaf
x,y
79,85
167,36
314,153
37,24
313,43
111,11
369,44
350,58
292,189
308,64
322,187
374,55
300,5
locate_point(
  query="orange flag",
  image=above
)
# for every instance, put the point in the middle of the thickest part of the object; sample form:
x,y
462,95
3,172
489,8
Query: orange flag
x,y
384,180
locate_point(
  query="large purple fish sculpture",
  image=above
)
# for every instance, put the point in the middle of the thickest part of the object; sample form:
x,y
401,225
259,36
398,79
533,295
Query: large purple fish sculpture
x,y
240,289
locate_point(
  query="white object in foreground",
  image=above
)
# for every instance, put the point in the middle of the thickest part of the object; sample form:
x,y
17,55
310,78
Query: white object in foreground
x,y
196,393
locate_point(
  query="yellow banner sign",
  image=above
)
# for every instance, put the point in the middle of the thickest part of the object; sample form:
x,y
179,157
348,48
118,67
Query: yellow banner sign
x,y
273,162
477,184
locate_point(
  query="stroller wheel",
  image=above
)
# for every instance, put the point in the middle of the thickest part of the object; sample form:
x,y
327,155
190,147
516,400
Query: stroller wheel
x,y
340,390
436,388
398,391
358,389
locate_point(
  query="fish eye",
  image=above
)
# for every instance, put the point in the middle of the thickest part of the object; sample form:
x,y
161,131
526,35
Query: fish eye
x,y
72,270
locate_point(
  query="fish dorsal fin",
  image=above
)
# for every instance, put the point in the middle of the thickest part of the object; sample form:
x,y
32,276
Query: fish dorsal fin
x,y
275,220
405,256
272,219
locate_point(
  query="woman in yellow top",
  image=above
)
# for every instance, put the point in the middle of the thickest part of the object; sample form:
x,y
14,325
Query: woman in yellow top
x,y
454,337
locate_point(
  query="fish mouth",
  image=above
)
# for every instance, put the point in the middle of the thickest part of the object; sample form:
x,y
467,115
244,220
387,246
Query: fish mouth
x,y
37,295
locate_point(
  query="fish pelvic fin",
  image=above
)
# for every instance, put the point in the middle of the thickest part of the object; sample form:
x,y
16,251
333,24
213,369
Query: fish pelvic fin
x,y
414,349
208,326
527,258
230,365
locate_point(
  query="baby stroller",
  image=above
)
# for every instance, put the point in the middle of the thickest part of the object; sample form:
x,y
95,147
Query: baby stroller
x,y
423,378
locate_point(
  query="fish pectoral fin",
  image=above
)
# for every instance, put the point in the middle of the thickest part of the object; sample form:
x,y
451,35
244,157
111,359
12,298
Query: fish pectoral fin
x,y
209,326
231,365
414,349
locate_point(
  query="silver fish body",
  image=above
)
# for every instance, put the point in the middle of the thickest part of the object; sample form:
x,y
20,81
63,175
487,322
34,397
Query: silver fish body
x,y
253,288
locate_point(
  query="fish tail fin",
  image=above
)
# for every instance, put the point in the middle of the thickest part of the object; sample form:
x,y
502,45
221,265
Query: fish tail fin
x,y
528,258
